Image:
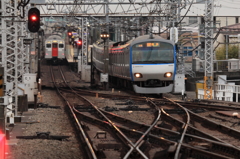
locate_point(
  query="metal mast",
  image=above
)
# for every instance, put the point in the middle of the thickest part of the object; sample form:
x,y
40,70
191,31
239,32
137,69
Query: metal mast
x,y
83,22
84,28
14,54
208,72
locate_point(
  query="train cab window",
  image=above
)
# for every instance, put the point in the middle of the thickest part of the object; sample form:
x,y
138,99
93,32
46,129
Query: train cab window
x,y
61,46
48,45
152,52
55,45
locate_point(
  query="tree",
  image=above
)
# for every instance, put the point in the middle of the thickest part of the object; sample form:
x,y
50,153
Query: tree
x,y
232,52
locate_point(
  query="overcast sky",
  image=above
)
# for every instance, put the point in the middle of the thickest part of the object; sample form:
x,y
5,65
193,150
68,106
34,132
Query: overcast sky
x,y
221,8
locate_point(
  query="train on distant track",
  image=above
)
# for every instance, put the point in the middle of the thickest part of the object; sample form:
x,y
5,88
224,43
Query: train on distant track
x,y
55,48
146,64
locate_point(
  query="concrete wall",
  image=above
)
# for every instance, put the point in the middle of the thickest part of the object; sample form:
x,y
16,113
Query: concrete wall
x,y
224,21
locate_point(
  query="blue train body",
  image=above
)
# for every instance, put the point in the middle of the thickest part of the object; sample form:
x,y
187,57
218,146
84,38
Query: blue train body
x,y
147,64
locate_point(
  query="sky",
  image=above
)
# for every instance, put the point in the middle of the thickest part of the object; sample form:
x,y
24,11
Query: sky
x,y
221,8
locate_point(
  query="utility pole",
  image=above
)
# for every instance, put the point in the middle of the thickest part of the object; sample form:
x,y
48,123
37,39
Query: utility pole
x,y
106,48
208,71
227,40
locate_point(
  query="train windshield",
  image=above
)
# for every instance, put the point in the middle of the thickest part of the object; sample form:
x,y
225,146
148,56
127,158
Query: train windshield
x,y
48,45
152,52
61,46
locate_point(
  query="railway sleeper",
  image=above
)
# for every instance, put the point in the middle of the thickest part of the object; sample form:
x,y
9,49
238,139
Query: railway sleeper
x,y
128,102
109,146
171,120
44,105
166,153
225,150
181,111
197,153
110,109
216,148
229,131
134,108
43,135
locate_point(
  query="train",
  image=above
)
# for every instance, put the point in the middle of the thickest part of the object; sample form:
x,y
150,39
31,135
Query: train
x,y
146,64
55,49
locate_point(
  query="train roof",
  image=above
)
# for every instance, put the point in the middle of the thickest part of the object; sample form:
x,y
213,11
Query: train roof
x,y
55,37
148,38
100,42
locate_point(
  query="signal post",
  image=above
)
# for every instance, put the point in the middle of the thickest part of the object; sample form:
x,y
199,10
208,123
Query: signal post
x,y
104,76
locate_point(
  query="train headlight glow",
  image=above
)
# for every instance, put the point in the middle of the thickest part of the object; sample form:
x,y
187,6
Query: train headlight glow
x,y
138,75
168,74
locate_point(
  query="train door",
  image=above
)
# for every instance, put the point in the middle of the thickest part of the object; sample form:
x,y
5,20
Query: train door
x,y
54,49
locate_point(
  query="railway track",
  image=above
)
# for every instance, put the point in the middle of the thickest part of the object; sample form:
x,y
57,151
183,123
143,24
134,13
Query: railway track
x,y
106,134
133,147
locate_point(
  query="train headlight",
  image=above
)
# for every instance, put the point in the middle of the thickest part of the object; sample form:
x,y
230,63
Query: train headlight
x,y
168,74
138,75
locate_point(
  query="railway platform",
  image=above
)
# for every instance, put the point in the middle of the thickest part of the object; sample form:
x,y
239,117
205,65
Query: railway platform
x,y
70,54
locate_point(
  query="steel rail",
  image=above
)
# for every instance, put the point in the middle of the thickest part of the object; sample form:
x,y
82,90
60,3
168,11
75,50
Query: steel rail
x,y
215,142
92,154
210,122
185,127
140,140
162,140
131,145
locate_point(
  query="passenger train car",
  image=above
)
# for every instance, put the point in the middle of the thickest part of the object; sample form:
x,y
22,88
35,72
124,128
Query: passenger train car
x,y
55,48
147,63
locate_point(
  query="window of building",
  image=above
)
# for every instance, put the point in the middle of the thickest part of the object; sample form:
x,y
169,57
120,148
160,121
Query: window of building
x,y
193,20
196,52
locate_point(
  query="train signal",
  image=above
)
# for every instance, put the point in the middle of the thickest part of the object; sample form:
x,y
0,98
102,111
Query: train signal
x,y
33,20
79,43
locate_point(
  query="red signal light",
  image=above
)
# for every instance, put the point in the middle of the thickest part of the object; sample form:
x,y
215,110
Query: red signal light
x,y
3,146
79,42
34,18
69,33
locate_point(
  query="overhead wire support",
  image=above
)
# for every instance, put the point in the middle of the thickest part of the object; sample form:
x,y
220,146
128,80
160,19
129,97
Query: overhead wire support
x,y
208,71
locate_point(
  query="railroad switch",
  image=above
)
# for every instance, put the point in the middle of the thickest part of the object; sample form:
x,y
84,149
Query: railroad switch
x,y
100,133
43,135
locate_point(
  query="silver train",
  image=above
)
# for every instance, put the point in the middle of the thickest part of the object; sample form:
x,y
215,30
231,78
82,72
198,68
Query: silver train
x,y
147,64
55,48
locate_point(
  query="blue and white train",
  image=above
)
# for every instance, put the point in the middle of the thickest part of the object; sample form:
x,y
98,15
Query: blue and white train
x,y
146,63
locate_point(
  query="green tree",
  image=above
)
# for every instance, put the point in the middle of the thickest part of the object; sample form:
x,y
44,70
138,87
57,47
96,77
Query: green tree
x,y
232,52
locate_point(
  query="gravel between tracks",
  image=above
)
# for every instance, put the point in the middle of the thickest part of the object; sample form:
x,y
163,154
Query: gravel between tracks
x,y
57,123
50,120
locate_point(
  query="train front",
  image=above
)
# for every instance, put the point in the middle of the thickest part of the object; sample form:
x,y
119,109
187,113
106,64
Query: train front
x,y
153,65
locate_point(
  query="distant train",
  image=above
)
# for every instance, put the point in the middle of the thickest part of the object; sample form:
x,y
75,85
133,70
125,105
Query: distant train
x,y
55,48
147,64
